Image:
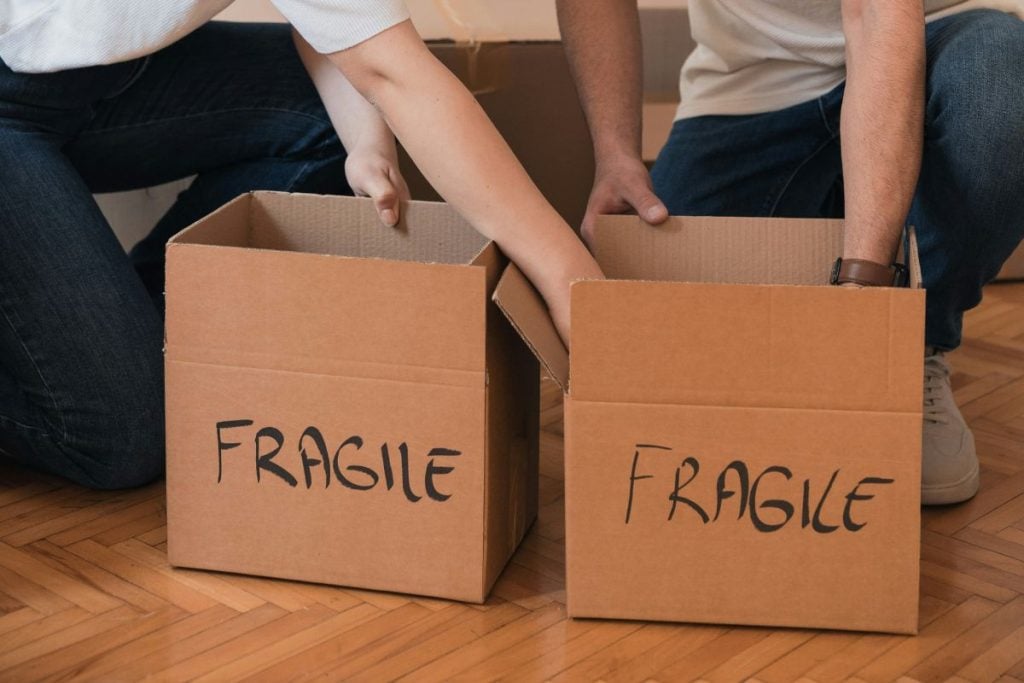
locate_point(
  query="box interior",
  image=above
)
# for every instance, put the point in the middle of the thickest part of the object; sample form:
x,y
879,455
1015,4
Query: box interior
x,y
763,251
306,224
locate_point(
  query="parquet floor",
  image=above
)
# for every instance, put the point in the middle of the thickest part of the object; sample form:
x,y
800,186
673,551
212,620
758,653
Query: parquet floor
x,y
86,592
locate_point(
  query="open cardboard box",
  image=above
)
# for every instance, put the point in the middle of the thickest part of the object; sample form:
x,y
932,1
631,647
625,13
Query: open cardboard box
x,y
345,404
742,443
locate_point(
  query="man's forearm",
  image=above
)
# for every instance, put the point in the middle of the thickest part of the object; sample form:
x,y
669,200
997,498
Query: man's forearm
x,y
602,41
882,127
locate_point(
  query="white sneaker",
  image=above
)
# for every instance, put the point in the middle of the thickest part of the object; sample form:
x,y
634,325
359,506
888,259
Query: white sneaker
x,y
949,462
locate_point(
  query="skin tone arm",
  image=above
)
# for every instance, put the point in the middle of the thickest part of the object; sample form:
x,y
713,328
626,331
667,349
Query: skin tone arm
x,y
460,152
602,42
882,126
371,166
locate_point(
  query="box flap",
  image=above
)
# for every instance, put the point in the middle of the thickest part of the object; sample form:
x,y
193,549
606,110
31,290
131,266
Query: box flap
x,y
233,280
746,345
527,312
792,251
227,226
428,232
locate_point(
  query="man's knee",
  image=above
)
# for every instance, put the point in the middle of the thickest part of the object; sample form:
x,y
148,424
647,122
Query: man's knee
x,y
975,98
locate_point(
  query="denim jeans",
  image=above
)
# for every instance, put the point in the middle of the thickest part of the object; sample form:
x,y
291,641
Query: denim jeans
x,y
81,331
968,209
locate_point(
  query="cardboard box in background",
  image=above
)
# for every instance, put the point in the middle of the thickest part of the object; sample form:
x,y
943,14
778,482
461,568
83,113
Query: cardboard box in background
x,y
510,56
742,444
527,91
345,405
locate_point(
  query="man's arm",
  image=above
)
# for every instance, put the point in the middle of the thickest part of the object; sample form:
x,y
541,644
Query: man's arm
x,y
602,42
371,164
882,126
460,152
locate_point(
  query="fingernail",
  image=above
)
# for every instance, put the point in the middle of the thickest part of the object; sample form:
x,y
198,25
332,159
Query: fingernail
x,y
388,216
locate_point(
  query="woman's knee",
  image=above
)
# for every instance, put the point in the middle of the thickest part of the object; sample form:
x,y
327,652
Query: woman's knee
x,y
121,444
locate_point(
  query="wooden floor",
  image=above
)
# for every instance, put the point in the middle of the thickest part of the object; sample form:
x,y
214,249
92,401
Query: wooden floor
x,y
86,592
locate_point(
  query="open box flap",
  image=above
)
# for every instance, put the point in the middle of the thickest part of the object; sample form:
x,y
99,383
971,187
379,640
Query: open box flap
x,y
763,251
527,312
688,249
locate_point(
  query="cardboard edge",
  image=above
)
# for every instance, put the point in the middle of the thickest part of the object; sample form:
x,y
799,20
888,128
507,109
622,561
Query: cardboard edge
x,y
524,308
180,238
909,628
913,259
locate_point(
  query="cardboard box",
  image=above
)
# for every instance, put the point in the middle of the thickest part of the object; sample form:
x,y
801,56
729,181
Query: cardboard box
x,y
1013,269
527,91
345,405
743,444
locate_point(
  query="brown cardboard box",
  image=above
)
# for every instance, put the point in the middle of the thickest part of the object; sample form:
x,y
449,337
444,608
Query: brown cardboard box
x,y
527,91
302,332
1013,269
742,444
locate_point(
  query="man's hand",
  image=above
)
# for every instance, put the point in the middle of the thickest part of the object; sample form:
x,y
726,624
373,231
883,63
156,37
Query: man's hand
x,y
622,186
376,175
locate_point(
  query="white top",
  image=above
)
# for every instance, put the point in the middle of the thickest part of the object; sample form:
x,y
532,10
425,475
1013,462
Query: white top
x,y
51,35
755,56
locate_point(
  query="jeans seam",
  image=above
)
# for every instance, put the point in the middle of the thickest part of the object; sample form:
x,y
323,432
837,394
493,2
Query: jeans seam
x,y
139,70
774,204
39,372
824,118
21,425
197,115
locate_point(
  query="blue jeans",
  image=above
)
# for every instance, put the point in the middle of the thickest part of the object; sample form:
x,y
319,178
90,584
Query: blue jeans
x,y
969,205
81,331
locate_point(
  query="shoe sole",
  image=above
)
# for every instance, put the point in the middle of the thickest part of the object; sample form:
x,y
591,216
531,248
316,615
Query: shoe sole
x,y
948,494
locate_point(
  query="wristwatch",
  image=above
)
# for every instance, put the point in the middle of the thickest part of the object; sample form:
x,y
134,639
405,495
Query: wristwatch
x,y
868,273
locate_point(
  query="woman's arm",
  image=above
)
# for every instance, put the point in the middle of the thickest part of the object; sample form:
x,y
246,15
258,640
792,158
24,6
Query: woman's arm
x,y
371,166
460,152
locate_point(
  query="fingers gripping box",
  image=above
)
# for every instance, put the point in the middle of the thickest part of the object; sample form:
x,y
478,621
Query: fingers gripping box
x,y
743,442
345,405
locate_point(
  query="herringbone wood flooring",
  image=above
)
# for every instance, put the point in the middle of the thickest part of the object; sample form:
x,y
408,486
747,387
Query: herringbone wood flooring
x,y
86,592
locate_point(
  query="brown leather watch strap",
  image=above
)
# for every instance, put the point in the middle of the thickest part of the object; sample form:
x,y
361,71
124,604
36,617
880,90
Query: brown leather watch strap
x,y
866,273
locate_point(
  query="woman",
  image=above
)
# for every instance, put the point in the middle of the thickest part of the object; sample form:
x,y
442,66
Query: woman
x,y
100,96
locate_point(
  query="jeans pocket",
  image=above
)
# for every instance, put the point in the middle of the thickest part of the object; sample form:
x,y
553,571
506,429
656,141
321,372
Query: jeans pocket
x,y
138,68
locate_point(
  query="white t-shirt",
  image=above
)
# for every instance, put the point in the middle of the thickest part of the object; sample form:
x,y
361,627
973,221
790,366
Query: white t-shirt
x,y
52,35
755,56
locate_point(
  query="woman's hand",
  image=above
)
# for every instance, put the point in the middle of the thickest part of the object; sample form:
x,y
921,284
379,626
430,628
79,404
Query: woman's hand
x,y
372,164
375,174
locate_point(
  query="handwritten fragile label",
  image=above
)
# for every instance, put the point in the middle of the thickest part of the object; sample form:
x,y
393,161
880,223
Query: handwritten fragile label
x,y
768,498
388,465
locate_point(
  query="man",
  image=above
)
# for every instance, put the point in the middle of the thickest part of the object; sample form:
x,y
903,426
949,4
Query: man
x,y
98,95
888,111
